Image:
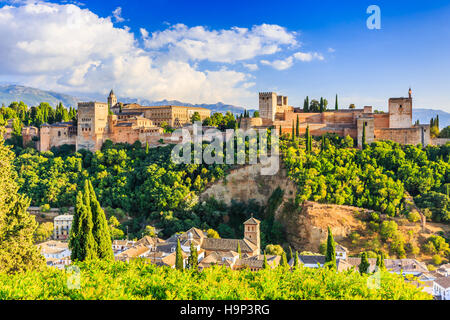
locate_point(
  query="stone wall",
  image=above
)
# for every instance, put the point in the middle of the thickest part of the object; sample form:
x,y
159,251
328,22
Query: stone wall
x,y
440,141
400,135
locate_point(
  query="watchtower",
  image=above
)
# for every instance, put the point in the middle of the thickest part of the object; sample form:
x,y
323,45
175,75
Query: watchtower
x,y
112,99
400,112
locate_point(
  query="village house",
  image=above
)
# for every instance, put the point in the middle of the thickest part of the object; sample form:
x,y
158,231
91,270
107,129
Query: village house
x,y
61,226
56,253
441,288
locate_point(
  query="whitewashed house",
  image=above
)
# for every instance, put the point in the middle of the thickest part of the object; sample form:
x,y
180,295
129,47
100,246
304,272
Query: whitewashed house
x,y
62,225
441,288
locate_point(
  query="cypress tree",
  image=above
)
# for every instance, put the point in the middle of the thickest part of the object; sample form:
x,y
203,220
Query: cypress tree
x,y
284,263
322,146
85,239
293,132
290,253
296,262
100,229
336,106
363,142
193,258
265,263
74,244
179,257
239,250
382,266
306,106
330,257
297,128
146,148
321,106
281,133
364,265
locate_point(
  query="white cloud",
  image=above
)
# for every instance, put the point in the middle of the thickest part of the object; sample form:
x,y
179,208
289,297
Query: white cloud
x,y
227,46
251,66
279,64
66,48
331,50
308,56
284,64
117,14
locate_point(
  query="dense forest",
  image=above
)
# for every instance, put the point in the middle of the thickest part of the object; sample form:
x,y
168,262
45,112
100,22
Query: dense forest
x,y
373,178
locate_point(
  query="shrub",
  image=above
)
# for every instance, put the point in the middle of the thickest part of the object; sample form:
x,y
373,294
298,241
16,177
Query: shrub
x,y
437,260
138,280
413,216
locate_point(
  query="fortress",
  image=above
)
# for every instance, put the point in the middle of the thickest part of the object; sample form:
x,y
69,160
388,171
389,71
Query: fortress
x,y
128,123
115,121
396,125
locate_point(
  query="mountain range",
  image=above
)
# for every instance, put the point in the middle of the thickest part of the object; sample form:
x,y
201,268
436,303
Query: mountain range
x,y
33,96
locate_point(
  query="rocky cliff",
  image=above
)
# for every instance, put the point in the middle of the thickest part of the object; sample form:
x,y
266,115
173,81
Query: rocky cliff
x,y
305,226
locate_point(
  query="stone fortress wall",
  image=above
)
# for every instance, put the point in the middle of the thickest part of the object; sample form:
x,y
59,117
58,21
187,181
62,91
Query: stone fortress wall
x,y
396,125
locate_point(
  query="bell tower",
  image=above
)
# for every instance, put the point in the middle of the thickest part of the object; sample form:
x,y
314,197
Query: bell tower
x,y
112,99
251,232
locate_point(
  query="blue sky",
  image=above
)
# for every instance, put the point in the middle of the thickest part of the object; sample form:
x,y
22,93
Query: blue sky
x,y
191,51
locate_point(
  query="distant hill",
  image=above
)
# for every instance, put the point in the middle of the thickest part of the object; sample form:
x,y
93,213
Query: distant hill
x,y
425,115
33,96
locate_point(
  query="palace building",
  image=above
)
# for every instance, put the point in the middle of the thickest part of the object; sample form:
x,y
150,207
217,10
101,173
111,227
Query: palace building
x,y
396,125
115,121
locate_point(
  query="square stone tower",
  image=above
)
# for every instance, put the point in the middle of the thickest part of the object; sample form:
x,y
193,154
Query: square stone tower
x,y
267,105
368,123
400,112
252,233
92,125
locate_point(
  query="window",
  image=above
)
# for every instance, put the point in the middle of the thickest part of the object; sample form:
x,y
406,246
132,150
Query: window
x,y
59,133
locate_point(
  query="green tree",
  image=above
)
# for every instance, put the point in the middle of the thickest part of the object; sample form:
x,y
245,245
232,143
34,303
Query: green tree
x,y
211,233
380,261
100,229
330,257
17,250
297,128
364,265
363,142
43,232
276,250
114,230
293,131
283,262
81,241
296,260
336,105
179,264
193,258
195,117
239,250
265,263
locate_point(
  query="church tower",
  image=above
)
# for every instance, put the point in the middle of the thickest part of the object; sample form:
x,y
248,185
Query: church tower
x,y
251,232
112,99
